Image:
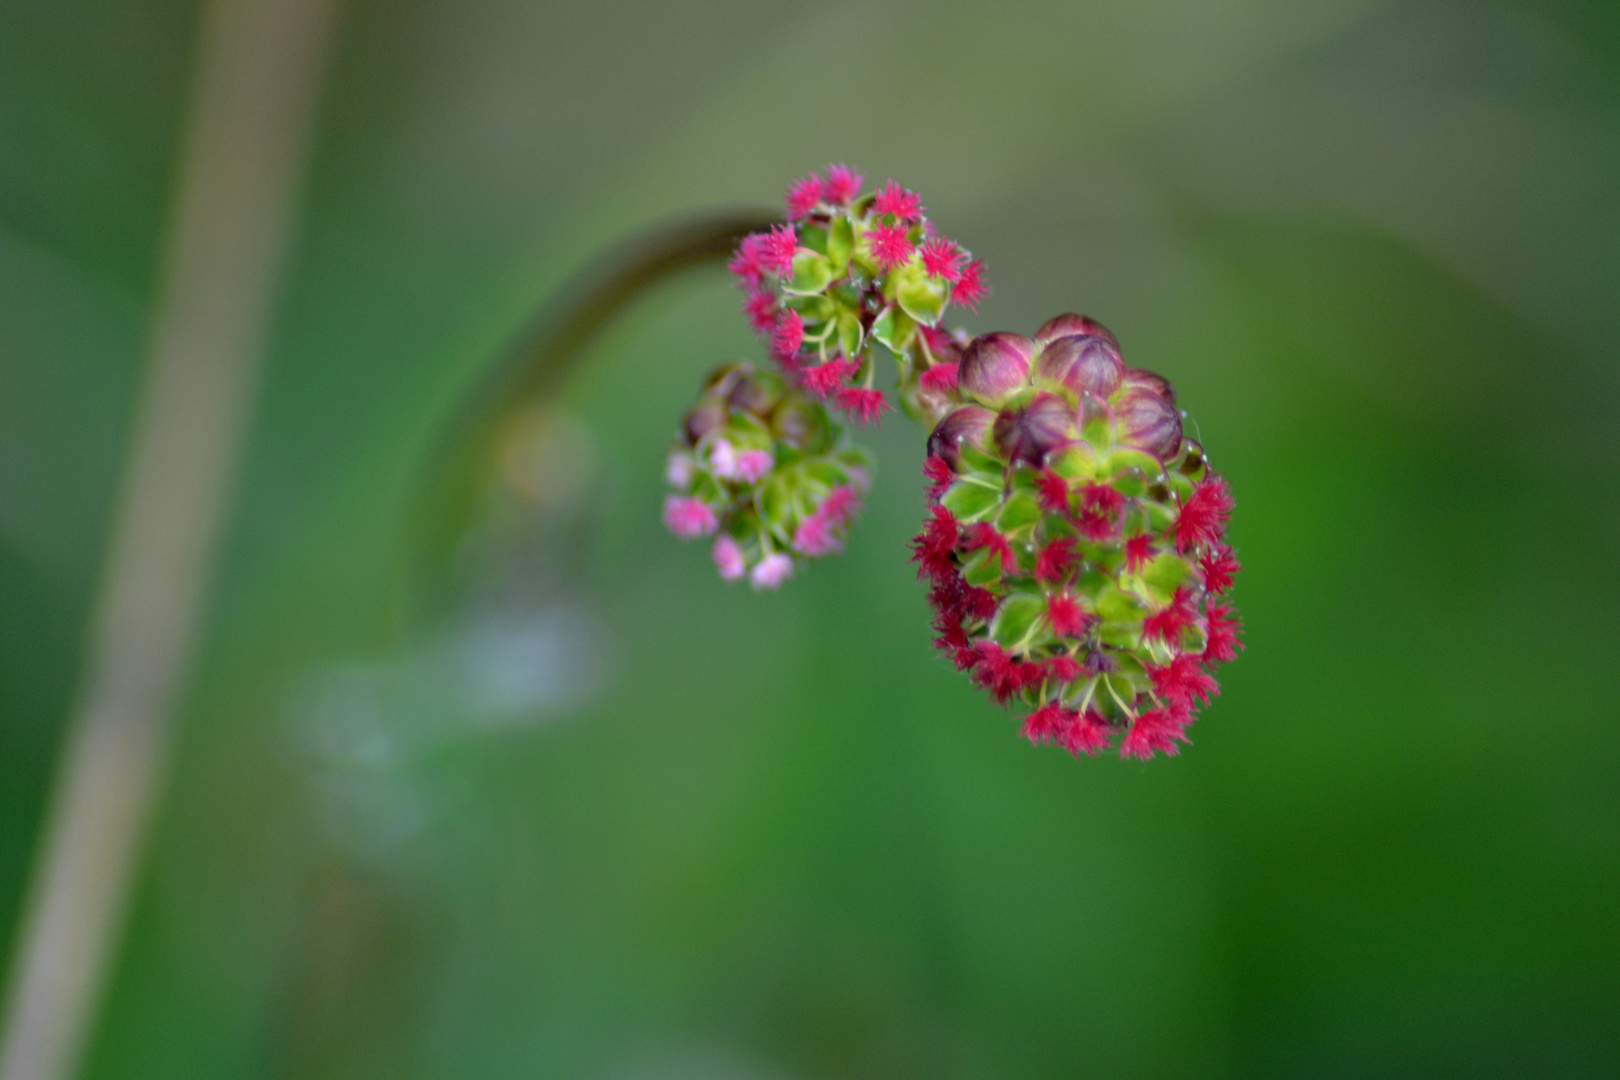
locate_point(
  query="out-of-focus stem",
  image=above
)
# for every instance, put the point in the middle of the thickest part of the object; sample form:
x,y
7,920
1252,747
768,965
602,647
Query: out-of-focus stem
x,y
548,351
247,131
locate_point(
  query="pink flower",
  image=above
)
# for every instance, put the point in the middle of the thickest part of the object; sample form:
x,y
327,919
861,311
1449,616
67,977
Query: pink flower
x,y
1052,490
970,288
941,378
1138,552
843,183
1000,673
1066,616
1055,561
760,307
688,518
865,406
935,545
823,378
802,196
1183,681
1223,624
937,471
728,558
772,570
789,333
1219,567
1204,515
840,504
1168,622
943,259
723,459
1086,734
890,245
745,262
814,537
777,249
752,465
896,200
984,535
1063,669
1156,729
1047,723
678,470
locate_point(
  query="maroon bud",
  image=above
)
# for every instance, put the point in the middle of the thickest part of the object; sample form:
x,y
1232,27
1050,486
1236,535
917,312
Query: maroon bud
x,y
1071,325
1026,434
969,422
719,382
1084,363
704,419
1152,381
750,395
1147,421
995,366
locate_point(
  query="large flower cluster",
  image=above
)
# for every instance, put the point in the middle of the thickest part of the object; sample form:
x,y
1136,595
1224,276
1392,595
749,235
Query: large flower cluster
x,y
1075,542
849,270
762,468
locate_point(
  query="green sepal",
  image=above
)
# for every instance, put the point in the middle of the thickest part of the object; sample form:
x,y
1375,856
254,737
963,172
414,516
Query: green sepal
x,y
1094,429
921,297
1129,484
850,334
1075,461
1119,635
1018,514
1117,688
812,273
895,329
1016,620
813,237
980,462
1181,486
841,243
1159,516
814,309
982,568
1115,605
1126,457
776,502
969,501
1164,574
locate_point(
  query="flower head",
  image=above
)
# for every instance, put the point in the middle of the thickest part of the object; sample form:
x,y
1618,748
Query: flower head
x,y
943,259
969,288
728,558
688,518
896,200
864,406
843,184
802,196
890,245
772,570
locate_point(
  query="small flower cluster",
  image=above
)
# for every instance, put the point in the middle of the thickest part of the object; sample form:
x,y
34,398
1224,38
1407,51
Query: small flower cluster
x,y
1075,542
848,270
762,467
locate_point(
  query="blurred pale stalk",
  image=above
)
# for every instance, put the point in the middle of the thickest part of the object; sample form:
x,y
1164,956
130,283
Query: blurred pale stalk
x,y
248,128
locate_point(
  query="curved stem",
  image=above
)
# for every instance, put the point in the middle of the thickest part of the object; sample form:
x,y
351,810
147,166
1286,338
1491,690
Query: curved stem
x,y
459,464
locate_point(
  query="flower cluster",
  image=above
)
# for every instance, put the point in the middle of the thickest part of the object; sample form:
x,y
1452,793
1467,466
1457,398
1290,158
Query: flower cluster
x,y
849,270
762,467
1075,542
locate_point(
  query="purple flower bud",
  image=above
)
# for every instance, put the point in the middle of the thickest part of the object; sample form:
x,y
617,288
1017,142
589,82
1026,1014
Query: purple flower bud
x,y
1082,363
995,366
702,420
751,395
970,422
1071,325
1152,381
1026,434
1147,421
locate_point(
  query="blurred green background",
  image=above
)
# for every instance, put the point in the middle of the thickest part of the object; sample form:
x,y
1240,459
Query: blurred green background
x,y
597,815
